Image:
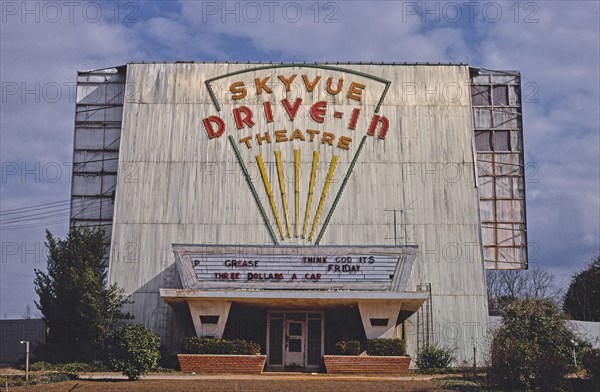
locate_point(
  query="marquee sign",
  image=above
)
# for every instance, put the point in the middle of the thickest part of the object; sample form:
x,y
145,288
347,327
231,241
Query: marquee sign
x,y
205,266
351,267
297,116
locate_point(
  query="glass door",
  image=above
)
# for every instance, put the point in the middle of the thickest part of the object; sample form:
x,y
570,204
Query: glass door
x,y
295,336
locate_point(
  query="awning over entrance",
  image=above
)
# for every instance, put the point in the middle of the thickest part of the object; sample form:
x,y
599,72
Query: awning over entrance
x,y
411,301
210,309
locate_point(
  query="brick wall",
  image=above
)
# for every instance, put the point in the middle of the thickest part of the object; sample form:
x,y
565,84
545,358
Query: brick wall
x,y
366,364
239,364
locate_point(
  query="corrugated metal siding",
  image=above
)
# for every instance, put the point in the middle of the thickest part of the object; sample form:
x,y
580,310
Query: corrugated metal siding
x,y
176,186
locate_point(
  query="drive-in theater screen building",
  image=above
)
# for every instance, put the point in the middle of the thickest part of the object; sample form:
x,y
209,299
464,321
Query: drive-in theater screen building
x,y
298,205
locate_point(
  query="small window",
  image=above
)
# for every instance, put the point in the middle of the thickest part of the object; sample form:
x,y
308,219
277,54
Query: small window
x,y
483,141
500,95
209,319
295,346
295,329
379,322
481,95
501,141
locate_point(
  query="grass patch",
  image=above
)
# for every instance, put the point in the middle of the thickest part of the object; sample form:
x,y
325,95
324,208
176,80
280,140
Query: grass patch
x,y
160,369
80,367
459,384
40,378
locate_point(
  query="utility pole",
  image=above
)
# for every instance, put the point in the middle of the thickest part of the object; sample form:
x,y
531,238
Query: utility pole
x,y
474,362
26,342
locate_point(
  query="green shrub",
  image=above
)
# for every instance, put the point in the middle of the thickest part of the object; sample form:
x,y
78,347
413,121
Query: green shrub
x,y
78,367
134,350
432,358
36,366
48,378
532,348
347,347
69,367
590,361
201,345
386,347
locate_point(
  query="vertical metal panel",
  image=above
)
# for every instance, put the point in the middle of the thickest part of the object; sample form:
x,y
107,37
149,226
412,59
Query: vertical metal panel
x,y
499,141
98,112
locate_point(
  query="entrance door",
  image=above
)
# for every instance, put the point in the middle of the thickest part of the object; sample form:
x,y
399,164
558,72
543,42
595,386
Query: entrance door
x,y
295,336
295,339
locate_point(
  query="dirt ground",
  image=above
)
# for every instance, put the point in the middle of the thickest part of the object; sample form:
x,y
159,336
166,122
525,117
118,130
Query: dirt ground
x,y
317,385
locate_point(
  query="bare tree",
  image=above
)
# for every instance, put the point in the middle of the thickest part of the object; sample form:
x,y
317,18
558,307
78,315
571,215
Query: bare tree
x,y
506,285
540,284
27,314
513,283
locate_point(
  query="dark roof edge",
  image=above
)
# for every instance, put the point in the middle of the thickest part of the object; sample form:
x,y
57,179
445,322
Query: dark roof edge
x,y
472,70
296,62
486,71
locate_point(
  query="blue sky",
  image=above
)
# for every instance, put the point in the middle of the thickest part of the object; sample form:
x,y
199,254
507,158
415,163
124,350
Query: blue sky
x,y
555,45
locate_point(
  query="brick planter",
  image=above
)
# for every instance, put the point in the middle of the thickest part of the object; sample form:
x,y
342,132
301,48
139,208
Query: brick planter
x,y
344,364
209,363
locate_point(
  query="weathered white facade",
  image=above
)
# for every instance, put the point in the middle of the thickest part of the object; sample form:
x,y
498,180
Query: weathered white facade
x,y
414,185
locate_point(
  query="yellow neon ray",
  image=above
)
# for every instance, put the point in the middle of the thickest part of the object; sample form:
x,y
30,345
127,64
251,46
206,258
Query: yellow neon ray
x,y
282,189
297,187
311,187
332,166
263,173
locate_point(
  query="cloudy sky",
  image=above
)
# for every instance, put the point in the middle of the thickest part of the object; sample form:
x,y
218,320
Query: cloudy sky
x,y
555,45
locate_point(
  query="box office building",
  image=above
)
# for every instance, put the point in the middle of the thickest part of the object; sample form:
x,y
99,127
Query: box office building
x,y
302,204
